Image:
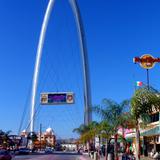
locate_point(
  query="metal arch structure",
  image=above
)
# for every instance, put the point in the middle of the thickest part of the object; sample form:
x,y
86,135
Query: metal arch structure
x,y
84,55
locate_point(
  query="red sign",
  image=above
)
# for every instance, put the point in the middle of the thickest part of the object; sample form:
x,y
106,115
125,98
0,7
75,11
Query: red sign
x,y
146,61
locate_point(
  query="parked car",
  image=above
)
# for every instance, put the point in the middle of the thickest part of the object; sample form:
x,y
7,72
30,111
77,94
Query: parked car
x,y
48,151
5,155
24,151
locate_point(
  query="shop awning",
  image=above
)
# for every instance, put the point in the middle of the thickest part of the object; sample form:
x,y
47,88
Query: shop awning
x,y
130,135
151,132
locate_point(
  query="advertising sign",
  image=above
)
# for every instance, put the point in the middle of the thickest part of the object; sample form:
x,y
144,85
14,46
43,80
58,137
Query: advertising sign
x,y
146,61
57,98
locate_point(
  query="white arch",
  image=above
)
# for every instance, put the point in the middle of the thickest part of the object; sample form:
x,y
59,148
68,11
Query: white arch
x,y
87,94
84,55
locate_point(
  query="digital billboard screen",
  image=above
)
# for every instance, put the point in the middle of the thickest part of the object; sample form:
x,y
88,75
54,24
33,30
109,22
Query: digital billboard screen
x,y
57,98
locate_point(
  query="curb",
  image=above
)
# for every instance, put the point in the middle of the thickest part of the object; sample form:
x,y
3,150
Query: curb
x,y
82,158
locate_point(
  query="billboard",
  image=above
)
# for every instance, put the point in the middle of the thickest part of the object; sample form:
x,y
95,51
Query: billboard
x,y
54,98
146,61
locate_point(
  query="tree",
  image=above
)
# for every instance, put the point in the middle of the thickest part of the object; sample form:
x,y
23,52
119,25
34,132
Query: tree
x,y
105,131
87,133
112,113
4,139
143,103
81,129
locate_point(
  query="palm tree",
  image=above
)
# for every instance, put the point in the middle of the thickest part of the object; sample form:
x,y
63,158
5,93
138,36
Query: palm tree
x,y
112,113
92,130
143,103
87,133
105,131
81,129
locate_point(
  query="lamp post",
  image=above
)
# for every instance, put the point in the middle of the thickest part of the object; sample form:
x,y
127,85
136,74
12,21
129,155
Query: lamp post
x,y
147,62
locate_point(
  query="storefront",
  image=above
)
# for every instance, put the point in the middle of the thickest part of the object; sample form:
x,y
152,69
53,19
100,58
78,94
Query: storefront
x,y
151,140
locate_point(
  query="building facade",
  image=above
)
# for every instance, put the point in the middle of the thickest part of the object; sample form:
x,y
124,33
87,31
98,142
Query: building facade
x,y
43,140
149,136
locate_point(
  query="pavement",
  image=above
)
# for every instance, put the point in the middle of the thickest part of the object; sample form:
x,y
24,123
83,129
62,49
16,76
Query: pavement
x,y
54,156
61,156
86,157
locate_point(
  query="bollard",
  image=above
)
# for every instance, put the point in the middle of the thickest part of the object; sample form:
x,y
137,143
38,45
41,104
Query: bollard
x,y
110,156
95,156
91,155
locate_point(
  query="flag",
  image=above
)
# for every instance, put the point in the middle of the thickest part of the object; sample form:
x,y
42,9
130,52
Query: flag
x,y
139,83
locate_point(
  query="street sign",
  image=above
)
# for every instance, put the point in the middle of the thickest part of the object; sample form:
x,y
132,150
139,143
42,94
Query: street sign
x,y
54,98
146,61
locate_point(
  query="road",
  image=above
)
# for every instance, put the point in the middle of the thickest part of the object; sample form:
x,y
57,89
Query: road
x,y
55,156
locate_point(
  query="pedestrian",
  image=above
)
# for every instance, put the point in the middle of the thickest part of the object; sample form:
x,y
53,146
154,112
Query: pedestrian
x,y
128,149
131,149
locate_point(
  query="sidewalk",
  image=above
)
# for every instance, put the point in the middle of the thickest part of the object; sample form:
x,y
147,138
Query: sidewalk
x,y
86,157
146,158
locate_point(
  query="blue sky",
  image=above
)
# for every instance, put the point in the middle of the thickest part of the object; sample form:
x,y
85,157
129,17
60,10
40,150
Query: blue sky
x,y
116,31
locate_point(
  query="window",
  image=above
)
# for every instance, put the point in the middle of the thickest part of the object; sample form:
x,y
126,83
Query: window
x,y
154,117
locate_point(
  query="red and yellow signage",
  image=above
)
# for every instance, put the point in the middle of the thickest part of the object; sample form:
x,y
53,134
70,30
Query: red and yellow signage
x,y
146,61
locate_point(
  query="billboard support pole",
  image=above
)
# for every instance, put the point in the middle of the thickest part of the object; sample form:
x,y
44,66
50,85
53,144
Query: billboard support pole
x,y
148,78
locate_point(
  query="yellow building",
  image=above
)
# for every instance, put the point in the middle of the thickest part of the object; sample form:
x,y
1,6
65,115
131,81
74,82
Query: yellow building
x,y
44,139
48,137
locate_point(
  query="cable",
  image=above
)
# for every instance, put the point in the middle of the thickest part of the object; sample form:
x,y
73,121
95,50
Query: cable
x,y
25,109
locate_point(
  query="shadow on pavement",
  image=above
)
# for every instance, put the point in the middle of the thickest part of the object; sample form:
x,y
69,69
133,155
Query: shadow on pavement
x,y
66,153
